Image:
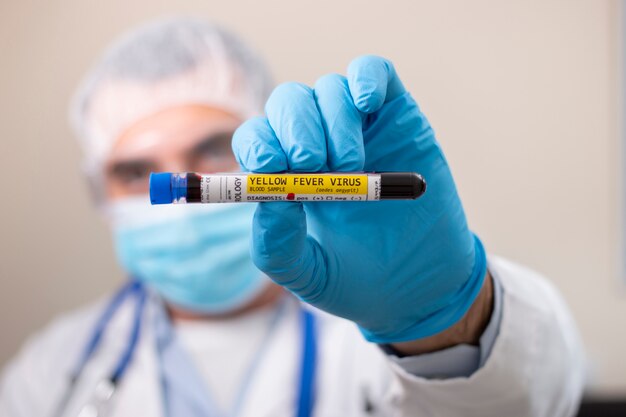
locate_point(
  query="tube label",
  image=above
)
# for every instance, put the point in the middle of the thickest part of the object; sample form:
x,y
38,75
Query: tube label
x,y
226,188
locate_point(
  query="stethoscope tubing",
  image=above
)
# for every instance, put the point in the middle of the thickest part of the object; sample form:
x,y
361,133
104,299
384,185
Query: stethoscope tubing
x,y
132,288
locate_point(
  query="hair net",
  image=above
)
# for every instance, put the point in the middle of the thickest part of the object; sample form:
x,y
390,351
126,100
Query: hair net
x,y
162,64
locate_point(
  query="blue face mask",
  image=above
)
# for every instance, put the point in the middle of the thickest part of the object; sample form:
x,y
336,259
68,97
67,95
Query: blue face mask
x,y
195,256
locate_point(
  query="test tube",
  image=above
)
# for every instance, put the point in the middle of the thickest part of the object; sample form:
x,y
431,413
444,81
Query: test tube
x,y
189,187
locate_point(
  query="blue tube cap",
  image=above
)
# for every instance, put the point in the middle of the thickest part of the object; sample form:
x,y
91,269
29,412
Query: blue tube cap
x,y
161,188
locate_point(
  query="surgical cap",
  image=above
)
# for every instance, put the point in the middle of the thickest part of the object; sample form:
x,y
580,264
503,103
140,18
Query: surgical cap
x,y
163,64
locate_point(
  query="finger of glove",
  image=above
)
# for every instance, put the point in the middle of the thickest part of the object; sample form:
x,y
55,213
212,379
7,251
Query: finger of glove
x,y
373,82
281,249
342,124
295,119
257,148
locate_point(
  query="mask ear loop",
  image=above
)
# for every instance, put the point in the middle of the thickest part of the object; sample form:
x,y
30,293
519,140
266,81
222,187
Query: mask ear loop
x,y
94,180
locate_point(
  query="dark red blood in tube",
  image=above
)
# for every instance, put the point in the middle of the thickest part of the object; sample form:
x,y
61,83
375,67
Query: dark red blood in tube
x,y
194,188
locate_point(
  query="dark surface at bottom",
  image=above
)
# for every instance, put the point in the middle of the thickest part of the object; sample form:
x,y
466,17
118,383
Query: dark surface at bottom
x,y
598,408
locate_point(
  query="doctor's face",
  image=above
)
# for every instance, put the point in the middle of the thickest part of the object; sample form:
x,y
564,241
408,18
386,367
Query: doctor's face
x,y
178,139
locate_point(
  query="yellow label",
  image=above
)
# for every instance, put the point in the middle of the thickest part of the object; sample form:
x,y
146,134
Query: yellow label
x,y
307,184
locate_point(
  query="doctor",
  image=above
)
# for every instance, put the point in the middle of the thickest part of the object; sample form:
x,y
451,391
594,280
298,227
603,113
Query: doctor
x,y
412,318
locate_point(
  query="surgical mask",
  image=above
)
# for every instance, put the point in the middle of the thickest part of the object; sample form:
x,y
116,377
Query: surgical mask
x,y
195,256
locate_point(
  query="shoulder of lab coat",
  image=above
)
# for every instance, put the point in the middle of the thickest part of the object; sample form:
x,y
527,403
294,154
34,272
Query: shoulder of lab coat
x,y
33,382
536,367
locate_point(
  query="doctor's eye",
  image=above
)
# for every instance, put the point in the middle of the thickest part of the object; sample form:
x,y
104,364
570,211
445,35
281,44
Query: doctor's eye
x,y
214,154
130,173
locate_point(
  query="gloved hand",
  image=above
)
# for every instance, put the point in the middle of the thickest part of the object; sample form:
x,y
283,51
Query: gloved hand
x,y
401,270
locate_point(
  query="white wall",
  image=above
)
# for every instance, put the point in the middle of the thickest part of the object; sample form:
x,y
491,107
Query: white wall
x,y
523,96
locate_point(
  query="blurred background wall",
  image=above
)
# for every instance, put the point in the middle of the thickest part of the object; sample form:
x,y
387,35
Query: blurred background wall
x,y
524,96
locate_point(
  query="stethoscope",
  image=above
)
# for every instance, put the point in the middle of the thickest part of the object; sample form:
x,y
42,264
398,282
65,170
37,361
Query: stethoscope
x,y
100,400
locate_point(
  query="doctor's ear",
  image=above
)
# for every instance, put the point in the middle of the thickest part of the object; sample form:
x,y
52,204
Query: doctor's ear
x,y
95,187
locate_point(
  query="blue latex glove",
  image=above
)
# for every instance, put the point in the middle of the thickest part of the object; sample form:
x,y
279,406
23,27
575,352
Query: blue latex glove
x,y
401,270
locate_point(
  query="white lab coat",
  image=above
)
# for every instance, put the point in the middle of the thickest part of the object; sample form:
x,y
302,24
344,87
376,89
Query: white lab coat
x,y
536,367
